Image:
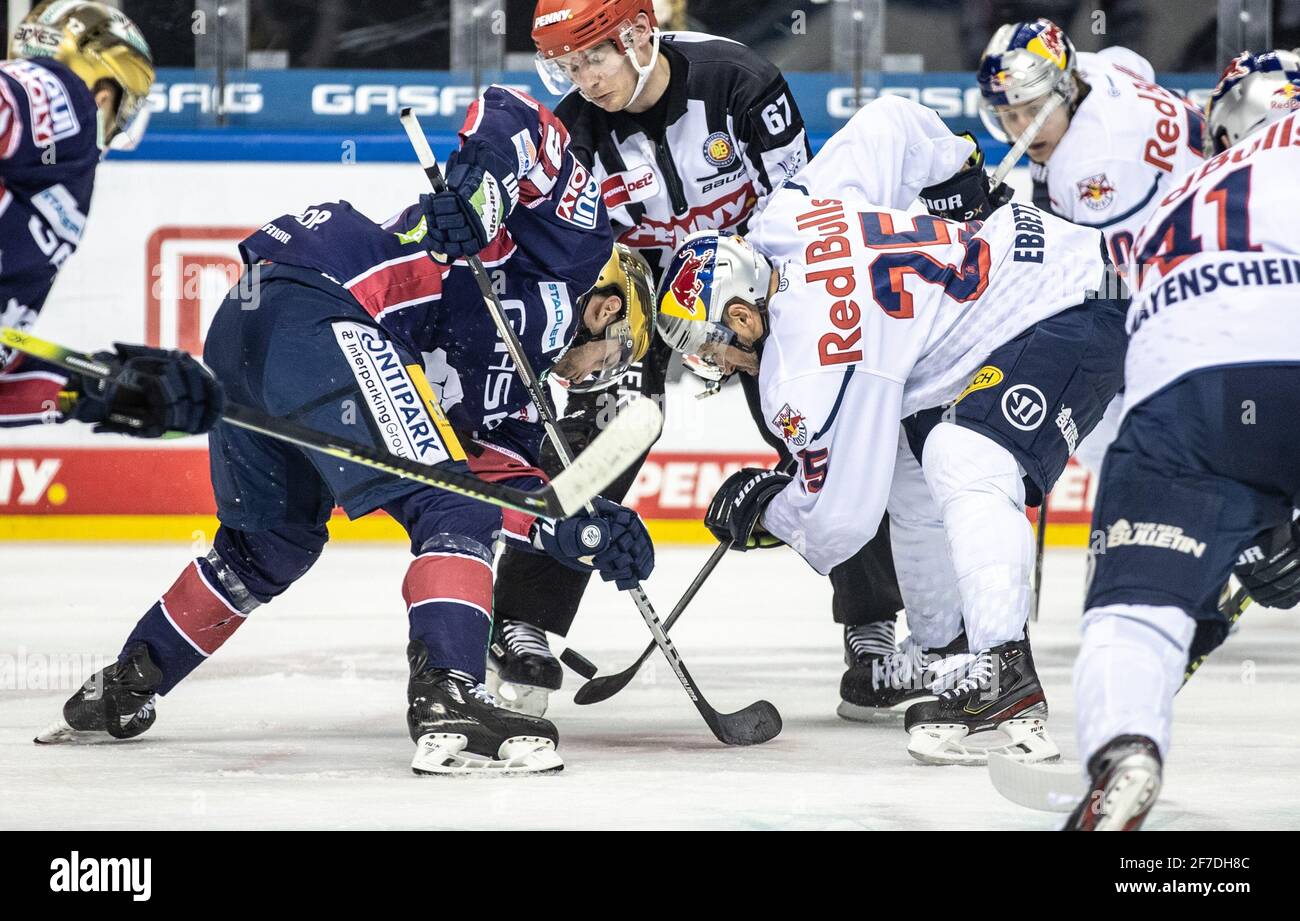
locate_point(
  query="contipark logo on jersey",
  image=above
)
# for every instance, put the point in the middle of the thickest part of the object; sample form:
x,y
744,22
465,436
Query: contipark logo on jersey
x,y
399,412
52,115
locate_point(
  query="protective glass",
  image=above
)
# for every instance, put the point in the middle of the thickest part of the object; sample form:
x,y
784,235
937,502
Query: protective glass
x,y
596,362
563,73
1007,123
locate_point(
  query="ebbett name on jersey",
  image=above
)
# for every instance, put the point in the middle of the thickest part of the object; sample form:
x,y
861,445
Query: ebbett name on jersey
x,y
1219,280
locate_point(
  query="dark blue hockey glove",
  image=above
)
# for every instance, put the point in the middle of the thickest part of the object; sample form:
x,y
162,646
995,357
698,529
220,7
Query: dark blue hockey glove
x,y
615,539
155,391
481,192
738,506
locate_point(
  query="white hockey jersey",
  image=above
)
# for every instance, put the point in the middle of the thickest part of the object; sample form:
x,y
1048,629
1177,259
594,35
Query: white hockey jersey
x,y
879,314
1127,141
1220,267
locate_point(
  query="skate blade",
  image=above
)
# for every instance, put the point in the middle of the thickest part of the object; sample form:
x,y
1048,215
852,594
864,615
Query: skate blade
x,y
1128,799
60,731
521,698
1024,740
443,753
856,713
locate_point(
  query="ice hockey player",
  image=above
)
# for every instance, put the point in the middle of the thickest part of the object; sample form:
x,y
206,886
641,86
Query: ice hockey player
x,y
345,308
994,344
1202,475
1112,147
684,131
75,86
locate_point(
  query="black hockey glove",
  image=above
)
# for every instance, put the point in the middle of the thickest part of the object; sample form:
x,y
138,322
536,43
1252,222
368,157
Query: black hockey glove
x,y
614,539
1272,577
968,195
738,505
155,391
578,432
481,192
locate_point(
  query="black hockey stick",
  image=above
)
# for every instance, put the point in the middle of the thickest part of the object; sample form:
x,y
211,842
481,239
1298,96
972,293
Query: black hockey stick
x,y
565,495
751,725
604,687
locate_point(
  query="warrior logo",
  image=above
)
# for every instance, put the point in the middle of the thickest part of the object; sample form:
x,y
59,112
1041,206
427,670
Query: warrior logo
x,y
791,424
1024,406
1096,192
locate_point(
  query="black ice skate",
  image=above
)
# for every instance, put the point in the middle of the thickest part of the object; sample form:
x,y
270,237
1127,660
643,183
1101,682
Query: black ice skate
x,y
458,728
1125,783
1000,692
882,681
522,671
117,701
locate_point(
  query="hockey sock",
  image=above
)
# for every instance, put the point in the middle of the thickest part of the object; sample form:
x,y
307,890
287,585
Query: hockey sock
x,y
978,486
448,592
192,619
1130,666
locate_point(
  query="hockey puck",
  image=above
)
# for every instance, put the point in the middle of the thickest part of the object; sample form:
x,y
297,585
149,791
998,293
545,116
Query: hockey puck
x,y
579,663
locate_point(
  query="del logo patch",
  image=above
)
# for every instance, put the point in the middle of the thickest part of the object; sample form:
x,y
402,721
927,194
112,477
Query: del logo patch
x,y
792,425
719,150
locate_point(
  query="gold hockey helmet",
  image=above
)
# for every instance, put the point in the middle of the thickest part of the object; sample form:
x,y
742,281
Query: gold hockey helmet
x,y
595,361
97,42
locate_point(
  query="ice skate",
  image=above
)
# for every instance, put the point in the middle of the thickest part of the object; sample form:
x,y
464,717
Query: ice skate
x,y
999,706
882,681
1125,783
459,729
522,671
116,702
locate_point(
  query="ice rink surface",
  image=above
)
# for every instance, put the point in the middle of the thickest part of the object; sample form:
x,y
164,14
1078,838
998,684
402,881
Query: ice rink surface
x,y
298,722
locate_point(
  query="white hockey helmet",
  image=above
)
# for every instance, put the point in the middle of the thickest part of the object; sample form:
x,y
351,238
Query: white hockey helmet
x,y
710,270
1253,92
1023,63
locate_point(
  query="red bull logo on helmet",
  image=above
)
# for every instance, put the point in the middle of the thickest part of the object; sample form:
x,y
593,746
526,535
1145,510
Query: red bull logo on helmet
x,y
691,274
1050,44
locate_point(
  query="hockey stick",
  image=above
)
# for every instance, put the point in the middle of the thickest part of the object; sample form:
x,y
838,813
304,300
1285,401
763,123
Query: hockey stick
x,y
1059,787
1041,541
606,686
568,493
750,725
1026,138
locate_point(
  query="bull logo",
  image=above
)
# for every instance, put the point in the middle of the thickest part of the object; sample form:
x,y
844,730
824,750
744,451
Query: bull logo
x,y
687,285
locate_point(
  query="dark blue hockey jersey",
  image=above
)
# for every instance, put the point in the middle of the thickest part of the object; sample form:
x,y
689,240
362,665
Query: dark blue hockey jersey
x,y
547,255
48,153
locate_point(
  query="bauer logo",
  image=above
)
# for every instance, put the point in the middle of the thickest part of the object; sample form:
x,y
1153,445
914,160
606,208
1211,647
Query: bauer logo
x,y
103,874
404,424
